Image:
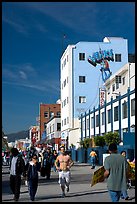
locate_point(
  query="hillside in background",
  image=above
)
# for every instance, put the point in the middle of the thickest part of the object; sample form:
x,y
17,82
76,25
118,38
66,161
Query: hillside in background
x,y
19,135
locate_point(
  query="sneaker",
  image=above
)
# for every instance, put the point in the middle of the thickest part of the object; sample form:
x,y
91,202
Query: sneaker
x,y
127,198
63,195
32,199
67,188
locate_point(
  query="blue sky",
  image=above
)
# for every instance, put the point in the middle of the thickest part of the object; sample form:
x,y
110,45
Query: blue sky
x,y
32,34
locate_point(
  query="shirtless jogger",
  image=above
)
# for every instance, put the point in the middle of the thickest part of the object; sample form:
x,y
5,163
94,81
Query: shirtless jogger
x,y
65,164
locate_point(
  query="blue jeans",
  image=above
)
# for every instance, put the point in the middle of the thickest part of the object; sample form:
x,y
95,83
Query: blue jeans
x,y
115,195
93,161
124,194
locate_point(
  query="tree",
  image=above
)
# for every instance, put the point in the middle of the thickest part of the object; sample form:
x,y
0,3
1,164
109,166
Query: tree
x,y
87,142
99,141
112,137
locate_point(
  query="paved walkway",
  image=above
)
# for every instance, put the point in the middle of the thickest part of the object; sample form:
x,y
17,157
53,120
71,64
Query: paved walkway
x,y
80,189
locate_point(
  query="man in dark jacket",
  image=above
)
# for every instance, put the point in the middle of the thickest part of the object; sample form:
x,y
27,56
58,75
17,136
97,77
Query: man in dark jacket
x,y
17,168
47,162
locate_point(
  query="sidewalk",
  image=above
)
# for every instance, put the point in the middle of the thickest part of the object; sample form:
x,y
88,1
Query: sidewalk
x,y
80,189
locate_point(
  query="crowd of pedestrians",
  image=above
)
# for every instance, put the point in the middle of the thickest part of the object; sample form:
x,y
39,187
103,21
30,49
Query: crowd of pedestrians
x,y
29,164
41,161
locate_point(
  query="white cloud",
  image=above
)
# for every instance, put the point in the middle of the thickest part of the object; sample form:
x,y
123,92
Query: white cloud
x,y
23,75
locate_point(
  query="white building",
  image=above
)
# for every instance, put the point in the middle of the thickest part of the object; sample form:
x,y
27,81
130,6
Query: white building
x,y
120,81
79,80
53,131
118,113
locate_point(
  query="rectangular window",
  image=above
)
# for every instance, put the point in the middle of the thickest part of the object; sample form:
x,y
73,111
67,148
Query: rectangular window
x,y
92,122
108,90
117,57
123,81
117,85
65,83
124,110
132,107
82,79
103,118
65,121
97,120
113,87
59,113
116,113
87,123
58,126
109,116
81,56
46,114
82,99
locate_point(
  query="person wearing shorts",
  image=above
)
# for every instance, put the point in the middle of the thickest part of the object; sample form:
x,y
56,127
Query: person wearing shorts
x,y
63,164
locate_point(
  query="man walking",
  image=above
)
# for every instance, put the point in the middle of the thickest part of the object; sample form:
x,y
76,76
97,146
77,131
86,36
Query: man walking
x,y
63,164
17,168
115,171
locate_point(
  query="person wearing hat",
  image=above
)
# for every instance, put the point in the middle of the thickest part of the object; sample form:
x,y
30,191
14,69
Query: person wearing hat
x,y
17,168
63,164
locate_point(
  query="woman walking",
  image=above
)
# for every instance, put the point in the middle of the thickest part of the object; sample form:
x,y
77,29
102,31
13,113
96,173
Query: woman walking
x,y
32,176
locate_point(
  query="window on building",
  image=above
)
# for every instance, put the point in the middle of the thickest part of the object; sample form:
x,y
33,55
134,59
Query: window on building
x,y
46,114
97,120
109,116
108,90
116,113
117,85
58,113
64,102
92,122
65,121
58,126
64,82
82,99
124,110
103,118
117,57
81,56
123,81
82,79
87,124
132,107
113,87
67,99
62,122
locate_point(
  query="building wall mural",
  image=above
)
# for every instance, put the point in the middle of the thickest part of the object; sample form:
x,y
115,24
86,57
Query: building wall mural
x,y
102,57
